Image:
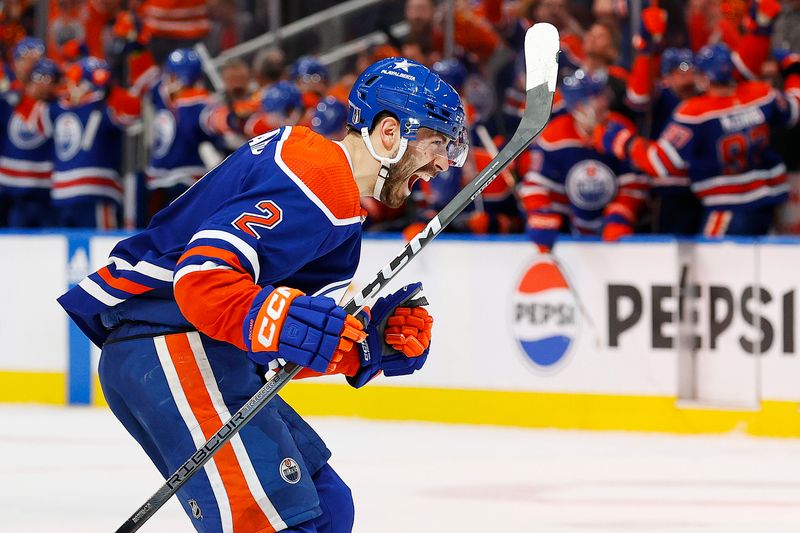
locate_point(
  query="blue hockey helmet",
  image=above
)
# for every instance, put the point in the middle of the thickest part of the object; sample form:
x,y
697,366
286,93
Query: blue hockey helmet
x,y
44,70
581,86
92,70
452,71
28,46
676,59
329,117
281,97
417,97
309,69
714,60
185,64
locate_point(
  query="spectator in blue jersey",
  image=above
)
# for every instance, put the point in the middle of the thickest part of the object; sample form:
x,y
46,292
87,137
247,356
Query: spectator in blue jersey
x,y
243,272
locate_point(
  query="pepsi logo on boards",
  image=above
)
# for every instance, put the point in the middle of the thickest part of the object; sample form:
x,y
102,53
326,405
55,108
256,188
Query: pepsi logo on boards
x,y
544,315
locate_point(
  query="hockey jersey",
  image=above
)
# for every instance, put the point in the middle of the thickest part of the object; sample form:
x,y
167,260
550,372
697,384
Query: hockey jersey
x,y
26,151
281,210
570,180
179,127
722,144
88,147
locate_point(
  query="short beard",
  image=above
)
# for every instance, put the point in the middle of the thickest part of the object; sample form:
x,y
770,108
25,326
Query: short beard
x,y
394,191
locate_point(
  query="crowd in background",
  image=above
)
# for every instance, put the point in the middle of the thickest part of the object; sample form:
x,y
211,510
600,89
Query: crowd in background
x,y
105,65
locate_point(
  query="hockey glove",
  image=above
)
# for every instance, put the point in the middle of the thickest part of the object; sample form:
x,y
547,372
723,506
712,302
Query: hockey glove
x,y
311,331
398,336
615,226
652,28
542,229
613,138
788,62
761,16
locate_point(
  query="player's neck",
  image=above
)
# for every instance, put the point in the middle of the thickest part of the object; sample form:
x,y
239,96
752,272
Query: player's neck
x,y
365,167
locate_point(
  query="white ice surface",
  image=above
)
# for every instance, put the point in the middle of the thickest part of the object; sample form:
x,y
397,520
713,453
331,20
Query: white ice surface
x,y
76,470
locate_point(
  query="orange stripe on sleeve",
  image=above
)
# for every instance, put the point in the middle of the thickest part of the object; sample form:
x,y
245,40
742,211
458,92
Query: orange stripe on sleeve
x,y
247,514
227,256
122,284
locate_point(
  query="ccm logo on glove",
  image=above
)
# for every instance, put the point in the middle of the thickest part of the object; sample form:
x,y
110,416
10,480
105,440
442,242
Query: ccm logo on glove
x,y
271,317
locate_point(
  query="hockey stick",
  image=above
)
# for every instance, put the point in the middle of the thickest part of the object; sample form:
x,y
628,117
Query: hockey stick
x,y
541,61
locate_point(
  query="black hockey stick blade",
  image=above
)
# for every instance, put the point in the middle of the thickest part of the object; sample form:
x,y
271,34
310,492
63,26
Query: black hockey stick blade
x,y
541,63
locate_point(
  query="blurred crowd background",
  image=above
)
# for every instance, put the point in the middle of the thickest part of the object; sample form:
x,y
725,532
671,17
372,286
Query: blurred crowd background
x,y
112,108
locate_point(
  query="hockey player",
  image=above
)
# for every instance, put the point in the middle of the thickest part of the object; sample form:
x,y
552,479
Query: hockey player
x,y
239,271
570,185
720,140
26,149
183,120
88,130
676,209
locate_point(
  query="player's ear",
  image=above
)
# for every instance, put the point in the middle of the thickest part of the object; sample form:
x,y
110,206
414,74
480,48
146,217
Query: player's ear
x,y
389,129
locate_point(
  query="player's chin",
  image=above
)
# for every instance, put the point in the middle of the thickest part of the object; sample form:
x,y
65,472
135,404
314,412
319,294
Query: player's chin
x,y
395,195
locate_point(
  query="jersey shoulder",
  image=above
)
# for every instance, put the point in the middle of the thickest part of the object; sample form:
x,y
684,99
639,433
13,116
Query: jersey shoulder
x,y
322,170
749,92
706,107
559,133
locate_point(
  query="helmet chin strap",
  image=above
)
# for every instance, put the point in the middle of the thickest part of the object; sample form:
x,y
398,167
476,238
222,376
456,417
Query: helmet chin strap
x,y
386,162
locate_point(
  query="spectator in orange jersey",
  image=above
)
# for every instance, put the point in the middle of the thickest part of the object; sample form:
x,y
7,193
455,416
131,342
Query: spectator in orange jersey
x,y
174,24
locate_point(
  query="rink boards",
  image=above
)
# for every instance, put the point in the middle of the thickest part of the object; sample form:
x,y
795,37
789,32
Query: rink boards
x,y
682,336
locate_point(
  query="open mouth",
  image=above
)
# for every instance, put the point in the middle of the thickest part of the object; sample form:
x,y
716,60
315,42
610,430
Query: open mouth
x,y
414,178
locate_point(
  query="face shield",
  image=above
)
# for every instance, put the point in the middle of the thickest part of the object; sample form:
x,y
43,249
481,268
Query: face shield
x,y
434,143
458,148
443,145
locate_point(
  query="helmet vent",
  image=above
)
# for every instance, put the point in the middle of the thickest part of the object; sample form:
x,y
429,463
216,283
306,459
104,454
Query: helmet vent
x,y
370,81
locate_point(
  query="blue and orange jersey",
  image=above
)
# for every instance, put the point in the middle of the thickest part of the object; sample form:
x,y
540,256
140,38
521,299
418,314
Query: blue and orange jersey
x,y
281,210
180,125
26,149
722,143
88,139
569,180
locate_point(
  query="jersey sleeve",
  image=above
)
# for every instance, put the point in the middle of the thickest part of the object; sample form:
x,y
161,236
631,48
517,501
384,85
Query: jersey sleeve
x,y
786,105
667,156
638,93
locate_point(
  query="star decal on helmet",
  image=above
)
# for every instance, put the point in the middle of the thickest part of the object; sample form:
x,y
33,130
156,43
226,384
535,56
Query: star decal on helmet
x,y
402,65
